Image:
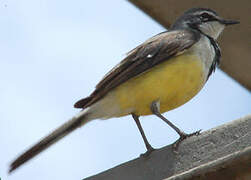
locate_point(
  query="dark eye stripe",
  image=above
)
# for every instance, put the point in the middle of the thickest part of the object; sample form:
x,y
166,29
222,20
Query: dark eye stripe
x,y
206,17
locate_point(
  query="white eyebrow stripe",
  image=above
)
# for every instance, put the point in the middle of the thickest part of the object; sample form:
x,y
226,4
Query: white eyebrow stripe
x,y
208,12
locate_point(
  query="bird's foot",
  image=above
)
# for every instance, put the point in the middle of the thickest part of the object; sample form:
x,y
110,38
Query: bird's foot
x,y
184,136
148,152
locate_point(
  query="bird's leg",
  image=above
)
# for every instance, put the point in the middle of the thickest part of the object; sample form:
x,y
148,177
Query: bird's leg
x,y
147,144
156,110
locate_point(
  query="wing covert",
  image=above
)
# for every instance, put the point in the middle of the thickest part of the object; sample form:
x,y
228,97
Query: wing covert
x,y
145,56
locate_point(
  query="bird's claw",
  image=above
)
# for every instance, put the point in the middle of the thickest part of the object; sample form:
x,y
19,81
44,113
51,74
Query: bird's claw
x,y
184,136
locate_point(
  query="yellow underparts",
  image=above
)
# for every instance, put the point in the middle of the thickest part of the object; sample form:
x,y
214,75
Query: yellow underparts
x,y
172,83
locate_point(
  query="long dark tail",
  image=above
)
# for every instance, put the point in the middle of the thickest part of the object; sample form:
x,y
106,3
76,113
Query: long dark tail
x,y
52,138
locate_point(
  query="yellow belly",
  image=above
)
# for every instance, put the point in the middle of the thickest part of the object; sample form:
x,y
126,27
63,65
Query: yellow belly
x,y
172,83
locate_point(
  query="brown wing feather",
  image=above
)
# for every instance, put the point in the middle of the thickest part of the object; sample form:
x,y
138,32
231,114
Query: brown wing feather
x,y
82,102
131,57
152,52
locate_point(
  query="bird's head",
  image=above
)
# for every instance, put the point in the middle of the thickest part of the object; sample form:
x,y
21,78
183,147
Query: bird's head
x,y
204,20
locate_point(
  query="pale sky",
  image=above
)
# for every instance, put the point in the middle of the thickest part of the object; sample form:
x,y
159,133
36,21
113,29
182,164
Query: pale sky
x,y
52,54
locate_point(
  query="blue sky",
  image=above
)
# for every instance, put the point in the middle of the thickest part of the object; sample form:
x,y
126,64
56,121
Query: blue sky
x,y
52,54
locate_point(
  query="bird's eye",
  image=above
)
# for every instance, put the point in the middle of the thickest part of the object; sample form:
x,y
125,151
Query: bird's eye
x,y
205,17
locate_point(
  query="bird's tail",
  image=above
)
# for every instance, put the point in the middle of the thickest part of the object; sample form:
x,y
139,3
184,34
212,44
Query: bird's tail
x,y
56,135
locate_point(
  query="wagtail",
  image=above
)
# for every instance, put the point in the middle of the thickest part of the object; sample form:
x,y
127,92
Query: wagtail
x,y
157,76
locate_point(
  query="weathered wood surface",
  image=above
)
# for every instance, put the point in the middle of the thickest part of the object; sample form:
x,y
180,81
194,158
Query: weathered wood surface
x,y
224,151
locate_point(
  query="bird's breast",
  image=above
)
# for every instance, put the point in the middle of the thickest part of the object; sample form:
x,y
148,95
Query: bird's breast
x,y
204,50
172,83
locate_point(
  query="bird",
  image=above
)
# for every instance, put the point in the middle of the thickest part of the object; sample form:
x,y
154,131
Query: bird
x,y
157,76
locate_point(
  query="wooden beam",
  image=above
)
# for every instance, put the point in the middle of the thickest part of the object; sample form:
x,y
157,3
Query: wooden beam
x,y
220,153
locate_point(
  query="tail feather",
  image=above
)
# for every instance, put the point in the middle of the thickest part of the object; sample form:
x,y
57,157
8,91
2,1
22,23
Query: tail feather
x,y
82,102
46,142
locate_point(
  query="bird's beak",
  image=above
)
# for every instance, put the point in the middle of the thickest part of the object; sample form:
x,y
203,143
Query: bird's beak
x,y
228,22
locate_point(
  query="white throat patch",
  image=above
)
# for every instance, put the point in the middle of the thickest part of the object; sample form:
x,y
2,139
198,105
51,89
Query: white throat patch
x,y
212,28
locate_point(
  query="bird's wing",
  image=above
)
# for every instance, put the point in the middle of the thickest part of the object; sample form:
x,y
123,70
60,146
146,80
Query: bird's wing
x,y
154,51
